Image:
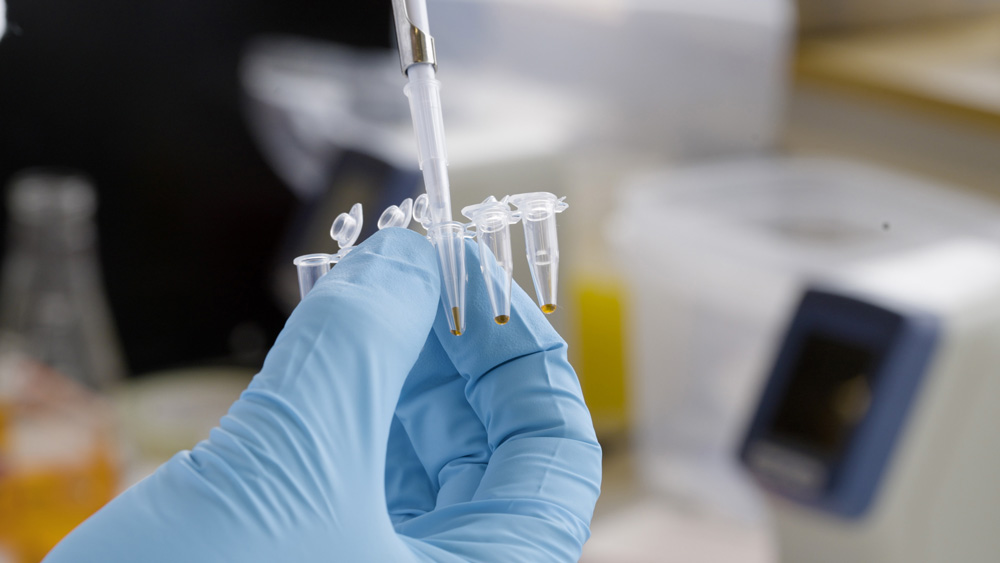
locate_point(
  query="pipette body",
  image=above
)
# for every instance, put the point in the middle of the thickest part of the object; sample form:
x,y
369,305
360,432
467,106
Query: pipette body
x,y
418,62
424,93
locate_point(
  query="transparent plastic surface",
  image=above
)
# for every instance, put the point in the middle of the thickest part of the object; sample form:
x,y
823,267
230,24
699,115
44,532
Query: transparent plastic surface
x,y
449,241
396,215
538,215
493,219
424,93
311,268
421,213
345,230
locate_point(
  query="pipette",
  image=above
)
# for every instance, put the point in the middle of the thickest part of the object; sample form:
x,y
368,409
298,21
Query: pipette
x,y
419,63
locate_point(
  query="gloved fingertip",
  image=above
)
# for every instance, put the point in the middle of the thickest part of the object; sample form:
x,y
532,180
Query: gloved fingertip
x,y
393,253
396,241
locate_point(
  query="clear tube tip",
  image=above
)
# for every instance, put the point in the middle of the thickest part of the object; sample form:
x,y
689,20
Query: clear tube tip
x,y
449,242
492,219
538,215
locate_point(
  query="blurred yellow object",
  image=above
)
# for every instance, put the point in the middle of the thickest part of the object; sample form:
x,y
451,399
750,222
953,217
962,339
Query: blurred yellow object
x,y
947,69
600,356
57,457
924,98
853,14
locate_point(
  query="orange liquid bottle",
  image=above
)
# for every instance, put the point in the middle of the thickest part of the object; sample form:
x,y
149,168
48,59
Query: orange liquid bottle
x,y
58,462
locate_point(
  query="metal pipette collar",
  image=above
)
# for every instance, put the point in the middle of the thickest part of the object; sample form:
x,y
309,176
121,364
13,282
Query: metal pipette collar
x,y
418,62
415,45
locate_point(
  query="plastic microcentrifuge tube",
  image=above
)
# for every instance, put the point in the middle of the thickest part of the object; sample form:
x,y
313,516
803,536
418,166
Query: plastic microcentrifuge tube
x,y
448,240
311,268
493,219
345,230
538,214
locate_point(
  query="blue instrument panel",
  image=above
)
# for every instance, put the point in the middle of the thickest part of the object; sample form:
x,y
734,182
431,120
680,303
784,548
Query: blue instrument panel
x,y
837,400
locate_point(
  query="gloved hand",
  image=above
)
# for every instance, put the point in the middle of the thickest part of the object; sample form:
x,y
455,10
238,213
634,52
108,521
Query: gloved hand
x,y
373,434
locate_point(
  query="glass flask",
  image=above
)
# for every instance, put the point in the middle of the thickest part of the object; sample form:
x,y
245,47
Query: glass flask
x,y
58,352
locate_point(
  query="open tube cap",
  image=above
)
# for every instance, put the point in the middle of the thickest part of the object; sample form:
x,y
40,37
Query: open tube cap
x,y
396,215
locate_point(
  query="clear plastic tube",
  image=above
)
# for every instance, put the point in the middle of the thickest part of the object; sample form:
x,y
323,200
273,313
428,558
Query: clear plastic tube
x,y
345,230
449,241
538,215
396,215
493,219
311,268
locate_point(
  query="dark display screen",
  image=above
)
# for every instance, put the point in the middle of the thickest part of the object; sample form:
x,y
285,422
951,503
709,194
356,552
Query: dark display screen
x,y
827,395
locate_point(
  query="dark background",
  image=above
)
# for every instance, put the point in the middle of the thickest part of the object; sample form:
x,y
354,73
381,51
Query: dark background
x,y
144,97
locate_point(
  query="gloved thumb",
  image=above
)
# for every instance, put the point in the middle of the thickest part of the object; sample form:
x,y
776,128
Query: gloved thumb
x,y
341,360
301,455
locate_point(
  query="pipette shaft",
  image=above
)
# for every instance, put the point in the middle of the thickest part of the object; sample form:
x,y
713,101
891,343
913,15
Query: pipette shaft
x,y
419,63
424,92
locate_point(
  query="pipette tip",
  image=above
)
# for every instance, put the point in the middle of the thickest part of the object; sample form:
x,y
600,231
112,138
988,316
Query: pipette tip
x,y
457,315
548,309
501,319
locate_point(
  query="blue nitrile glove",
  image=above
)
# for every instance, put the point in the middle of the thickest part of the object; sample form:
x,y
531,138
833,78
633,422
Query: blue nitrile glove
x,y
373,434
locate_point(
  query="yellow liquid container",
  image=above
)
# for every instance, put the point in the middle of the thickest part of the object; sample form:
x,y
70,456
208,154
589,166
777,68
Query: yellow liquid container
x,y
58,352
57,459
600,354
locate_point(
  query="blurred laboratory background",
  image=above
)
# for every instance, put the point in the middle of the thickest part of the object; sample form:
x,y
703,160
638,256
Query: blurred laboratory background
x,y
780,267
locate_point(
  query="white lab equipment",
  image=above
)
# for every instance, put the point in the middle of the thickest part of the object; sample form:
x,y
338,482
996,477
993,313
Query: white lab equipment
x,y
310,268
396,215
876,432
715,257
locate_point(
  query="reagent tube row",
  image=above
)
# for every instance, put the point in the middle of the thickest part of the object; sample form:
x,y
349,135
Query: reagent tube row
x,y
490,225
